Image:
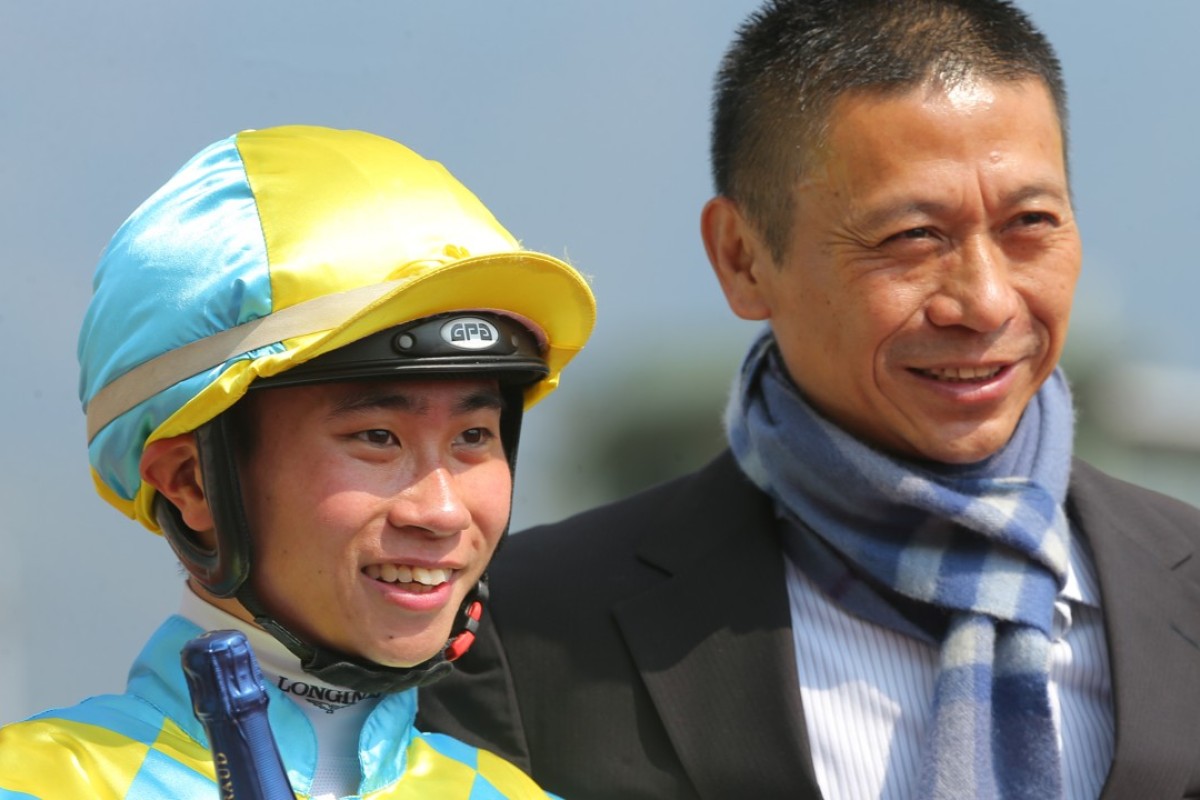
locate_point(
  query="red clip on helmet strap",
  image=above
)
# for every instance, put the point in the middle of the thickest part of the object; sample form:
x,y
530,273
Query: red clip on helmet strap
x,y
462,643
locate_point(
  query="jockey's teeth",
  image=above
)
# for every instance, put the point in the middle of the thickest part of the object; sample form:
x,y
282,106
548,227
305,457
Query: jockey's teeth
x,y
402,573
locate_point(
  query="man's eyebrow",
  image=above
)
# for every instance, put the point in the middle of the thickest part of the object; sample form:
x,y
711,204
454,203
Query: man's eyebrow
x,y
882,216
391,399
885,214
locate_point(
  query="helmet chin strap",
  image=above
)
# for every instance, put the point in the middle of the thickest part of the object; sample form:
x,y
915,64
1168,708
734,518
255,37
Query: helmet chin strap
x,y
368,677
225,572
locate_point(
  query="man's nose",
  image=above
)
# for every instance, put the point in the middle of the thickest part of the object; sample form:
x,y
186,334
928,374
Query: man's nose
x,y
976,289
433,502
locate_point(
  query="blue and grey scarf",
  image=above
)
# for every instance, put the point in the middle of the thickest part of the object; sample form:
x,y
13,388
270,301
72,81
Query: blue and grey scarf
x,y
984,545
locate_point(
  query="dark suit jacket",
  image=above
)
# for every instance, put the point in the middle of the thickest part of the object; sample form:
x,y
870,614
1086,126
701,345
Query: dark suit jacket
x,y
644,649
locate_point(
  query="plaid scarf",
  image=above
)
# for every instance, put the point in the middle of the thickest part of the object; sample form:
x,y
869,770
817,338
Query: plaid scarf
x,y
984,546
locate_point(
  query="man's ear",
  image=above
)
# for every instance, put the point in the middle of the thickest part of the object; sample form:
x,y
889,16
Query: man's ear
x,y
738,257
172,466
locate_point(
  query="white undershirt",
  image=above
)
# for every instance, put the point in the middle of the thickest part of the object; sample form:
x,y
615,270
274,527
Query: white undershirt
x,y
337,715
867,692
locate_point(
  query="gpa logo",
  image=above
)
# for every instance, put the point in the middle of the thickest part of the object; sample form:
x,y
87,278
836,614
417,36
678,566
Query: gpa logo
x,y
470,333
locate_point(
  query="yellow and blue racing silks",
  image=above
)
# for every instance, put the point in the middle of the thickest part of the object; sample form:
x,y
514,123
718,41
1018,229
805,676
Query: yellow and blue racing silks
x,y
146,744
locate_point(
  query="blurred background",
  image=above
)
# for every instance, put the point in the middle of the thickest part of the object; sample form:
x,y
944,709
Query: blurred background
x,y
583,126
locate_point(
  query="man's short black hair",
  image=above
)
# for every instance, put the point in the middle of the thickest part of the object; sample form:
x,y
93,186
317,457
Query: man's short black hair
x,y
792,59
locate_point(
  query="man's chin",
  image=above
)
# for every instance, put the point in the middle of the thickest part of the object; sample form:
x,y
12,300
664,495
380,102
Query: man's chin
x,y
962,444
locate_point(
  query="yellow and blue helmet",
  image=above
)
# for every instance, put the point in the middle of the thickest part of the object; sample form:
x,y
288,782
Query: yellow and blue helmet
x,y
272,247
294,255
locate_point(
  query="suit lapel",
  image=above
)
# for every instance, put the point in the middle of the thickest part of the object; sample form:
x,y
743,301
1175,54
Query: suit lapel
x,y
713,644
720,618
1152,622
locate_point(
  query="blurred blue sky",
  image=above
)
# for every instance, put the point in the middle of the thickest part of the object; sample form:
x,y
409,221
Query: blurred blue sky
x,y
583,127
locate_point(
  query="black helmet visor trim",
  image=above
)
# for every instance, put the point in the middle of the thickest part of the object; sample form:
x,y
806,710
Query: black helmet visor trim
x,y
442,346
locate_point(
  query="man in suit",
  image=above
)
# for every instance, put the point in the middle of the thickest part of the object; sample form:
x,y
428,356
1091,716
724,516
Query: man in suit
x,y
897,583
